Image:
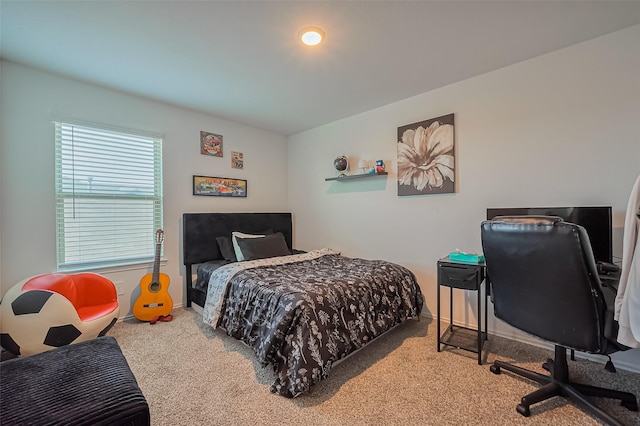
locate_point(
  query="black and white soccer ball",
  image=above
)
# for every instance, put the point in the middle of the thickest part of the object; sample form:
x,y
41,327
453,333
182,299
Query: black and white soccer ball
x,y
33,321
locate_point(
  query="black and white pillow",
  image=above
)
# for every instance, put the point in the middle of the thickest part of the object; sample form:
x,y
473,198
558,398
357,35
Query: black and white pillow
x,y
235,236
261,247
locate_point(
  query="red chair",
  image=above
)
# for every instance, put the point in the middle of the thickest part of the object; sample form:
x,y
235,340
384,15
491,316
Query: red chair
x,y
54,310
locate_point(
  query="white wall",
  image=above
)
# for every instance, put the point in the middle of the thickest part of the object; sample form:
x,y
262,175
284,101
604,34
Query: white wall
x,y
557,130
560,129
30,97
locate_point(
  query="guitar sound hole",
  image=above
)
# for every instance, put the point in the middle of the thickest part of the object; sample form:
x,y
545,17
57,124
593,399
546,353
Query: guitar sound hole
x,y
154,287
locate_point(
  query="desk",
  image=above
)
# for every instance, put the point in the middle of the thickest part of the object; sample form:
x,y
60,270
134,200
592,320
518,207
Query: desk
x,y
465,276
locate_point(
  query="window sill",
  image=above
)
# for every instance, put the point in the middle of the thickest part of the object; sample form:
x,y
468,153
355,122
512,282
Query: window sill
x,y
104,269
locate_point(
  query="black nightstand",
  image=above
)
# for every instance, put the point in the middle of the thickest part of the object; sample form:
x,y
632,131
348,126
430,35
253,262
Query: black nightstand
x,y
465,276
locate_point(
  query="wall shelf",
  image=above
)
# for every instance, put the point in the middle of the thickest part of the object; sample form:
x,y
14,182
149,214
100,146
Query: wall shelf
x,y
360,176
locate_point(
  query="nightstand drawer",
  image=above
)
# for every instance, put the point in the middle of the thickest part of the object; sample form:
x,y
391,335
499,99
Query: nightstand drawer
x,y
459,276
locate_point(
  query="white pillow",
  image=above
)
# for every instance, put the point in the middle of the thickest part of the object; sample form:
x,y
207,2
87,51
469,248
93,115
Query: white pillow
x,y
236,248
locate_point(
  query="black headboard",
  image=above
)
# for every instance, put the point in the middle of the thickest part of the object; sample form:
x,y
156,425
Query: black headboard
x,y
201,229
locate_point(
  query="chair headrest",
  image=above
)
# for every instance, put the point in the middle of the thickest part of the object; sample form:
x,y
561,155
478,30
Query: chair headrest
x,y
528,220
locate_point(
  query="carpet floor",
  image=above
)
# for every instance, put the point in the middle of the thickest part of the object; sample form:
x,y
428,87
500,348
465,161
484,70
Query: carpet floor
x,y
194,375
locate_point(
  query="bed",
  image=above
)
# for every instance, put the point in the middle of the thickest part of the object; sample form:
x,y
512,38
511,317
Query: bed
x,y
300,312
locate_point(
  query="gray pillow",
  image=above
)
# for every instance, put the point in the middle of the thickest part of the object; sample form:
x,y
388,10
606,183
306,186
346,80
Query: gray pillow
x,y
226,248
260,248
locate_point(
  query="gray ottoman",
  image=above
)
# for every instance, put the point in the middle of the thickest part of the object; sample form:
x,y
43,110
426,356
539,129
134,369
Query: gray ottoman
x,y
89,383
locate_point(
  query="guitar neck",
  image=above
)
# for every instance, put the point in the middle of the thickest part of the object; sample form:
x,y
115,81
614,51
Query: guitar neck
x,y
156,264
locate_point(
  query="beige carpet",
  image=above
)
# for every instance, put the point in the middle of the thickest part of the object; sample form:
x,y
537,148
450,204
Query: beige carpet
x,y
193,375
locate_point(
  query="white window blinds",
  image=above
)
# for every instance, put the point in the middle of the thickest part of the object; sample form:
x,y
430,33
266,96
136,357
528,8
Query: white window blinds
x,y
108,196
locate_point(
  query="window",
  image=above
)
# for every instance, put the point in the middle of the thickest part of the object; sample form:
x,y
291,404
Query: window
x,y
108,196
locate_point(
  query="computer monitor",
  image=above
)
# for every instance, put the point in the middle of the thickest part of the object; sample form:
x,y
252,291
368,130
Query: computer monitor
x,y
595,220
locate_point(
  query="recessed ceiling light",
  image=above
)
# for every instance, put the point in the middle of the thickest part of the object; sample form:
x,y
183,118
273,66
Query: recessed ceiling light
x,y
312,36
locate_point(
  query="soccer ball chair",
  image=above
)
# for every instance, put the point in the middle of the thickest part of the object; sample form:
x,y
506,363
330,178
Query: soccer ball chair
x,y
53,310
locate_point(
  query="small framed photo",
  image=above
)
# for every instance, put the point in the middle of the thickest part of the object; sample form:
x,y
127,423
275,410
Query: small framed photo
x,y
219,187
237,160
210,144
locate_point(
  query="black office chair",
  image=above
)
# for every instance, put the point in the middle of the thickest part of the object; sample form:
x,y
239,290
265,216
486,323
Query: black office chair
x,y
544,282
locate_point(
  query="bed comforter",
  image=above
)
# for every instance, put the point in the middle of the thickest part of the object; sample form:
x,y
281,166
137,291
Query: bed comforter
x,y
302,313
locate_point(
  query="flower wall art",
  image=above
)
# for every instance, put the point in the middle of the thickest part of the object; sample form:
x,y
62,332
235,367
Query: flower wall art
x,y
426,157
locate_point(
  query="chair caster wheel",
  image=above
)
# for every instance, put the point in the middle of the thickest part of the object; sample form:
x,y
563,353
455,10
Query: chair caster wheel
x,y
494,369
630,405
523,410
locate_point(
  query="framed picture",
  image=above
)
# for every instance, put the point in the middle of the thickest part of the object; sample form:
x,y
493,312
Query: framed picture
x,y
219,187
426,157
210,144
237,160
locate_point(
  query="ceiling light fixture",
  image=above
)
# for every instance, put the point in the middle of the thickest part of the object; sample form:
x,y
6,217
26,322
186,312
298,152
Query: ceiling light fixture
x,y
312,36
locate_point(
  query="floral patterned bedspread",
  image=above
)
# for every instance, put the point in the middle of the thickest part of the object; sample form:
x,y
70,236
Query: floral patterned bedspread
x,y
302,313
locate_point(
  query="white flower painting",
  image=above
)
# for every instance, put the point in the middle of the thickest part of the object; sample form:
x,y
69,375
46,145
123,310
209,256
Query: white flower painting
x,y
426,157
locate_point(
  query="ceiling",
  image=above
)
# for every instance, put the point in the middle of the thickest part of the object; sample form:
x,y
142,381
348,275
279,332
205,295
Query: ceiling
x,y
241,60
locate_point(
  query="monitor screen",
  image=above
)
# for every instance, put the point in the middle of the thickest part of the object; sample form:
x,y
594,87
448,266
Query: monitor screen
x,y
595,220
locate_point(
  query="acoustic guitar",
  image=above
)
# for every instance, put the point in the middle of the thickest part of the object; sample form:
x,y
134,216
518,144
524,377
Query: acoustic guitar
x,y
154,300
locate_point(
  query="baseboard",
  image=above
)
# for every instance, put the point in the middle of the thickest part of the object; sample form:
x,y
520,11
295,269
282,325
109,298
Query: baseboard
x,y
530,340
